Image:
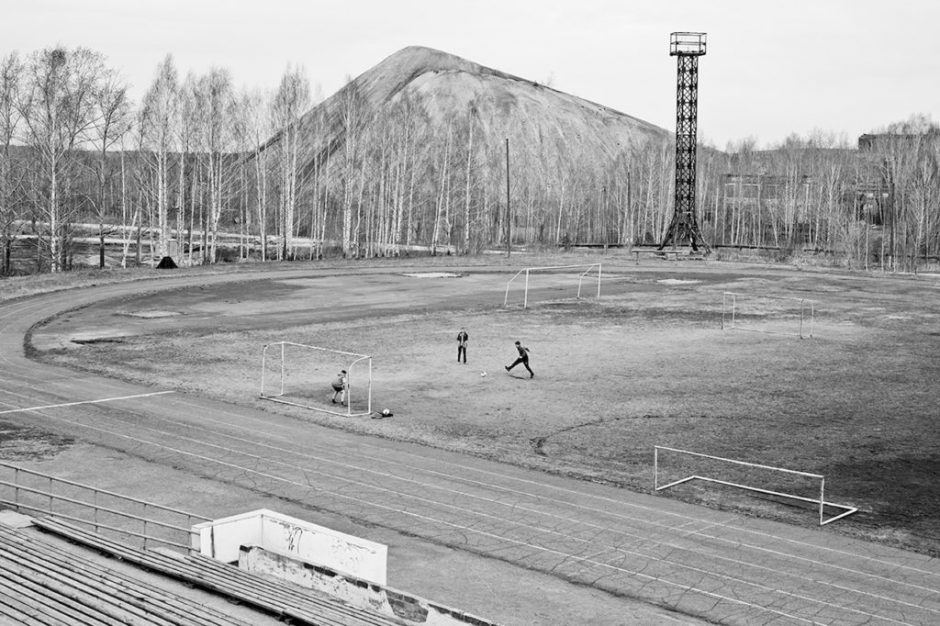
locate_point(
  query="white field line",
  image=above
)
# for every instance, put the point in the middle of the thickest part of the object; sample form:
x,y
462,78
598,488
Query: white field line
x,y
574,557
459,527
463,470
461,476
471,512
66,404
546,530
690,520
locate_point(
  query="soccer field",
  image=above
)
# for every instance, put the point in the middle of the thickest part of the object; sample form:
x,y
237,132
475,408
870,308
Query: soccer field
x,y
647,364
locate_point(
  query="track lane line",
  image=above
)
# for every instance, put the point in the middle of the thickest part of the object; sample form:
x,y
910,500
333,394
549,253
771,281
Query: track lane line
x,y
435,521
80,402
819,602
461,477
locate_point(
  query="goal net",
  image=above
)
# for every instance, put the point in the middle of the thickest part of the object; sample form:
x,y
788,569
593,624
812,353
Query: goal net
x,y
778,315
311,377
558,282
674,469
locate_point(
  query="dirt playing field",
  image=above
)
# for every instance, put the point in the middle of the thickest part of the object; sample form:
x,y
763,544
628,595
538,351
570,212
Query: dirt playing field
x,y
648,364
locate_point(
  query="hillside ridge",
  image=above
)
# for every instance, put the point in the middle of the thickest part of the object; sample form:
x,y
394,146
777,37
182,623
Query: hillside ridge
x,y
403,68
441,61
551,127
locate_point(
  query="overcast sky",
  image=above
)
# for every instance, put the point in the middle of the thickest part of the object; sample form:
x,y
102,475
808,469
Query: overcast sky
x,y
773,68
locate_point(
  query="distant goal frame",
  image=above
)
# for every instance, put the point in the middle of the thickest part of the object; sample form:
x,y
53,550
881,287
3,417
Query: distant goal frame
x,y
821,501
356,360
807,320
528,270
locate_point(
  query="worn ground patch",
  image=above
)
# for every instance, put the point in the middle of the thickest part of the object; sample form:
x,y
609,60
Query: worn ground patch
x,y
647,365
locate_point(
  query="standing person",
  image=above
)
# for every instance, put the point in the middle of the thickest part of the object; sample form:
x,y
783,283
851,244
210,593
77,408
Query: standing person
x,y
523,358
462,339
339,387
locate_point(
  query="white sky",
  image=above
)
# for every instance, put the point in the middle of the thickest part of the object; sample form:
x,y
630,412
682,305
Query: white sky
x,y
773,68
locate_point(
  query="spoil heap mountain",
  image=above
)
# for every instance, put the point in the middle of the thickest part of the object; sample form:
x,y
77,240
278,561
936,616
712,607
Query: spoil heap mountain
x,y
547,126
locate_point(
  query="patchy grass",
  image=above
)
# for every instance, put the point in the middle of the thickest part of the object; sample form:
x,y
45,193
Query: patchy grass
x,y
25,443
12,287
648,365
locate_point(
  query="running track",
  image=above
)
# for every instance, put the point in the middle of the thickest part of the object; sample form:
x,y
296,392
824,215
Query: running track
x,y
705,563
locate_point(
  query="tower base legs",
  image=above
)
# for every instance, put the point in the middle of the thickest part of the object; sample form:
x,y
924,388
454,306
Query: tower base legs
x,y
683,230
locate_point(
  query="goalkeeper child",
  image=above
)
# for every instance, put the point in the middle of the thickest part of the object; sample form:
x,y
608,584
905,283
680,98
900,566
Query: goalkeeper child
x,y
339,387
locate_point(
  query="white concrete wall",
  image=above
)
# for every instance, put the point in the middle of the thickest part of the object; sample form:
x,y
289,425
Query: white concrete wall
x,y
372,597
221,539
310,543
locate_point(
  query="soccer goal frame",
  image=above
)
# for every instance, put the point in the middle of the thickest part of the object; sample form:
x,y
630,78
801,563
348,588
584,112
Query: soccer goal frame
x,y
821,501
357,362
806,324
588,269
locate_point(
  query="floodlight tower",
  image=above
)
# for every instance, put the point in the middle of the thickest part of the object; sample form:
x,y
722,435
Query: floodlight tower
x,y
687,48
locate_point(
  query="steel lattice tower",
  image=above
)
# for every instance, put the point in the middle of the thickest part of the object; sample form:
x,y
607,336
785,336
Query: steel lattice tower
x,y
687,47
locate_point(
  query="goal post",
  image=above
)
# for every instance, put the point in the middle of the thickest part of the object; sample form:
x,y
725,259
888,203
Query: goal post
x,y
301,375
563,281
688,466
780,315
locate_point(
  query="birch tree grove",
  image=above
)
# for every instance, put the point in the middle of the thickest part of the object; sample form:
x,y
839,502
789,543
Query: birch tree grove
x,y
395,165
56,106
10,69
908,158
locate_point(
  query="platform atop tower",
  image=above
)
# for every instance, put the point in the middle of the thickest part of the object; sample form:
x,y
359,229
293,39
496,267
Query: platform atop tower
x,y
687,44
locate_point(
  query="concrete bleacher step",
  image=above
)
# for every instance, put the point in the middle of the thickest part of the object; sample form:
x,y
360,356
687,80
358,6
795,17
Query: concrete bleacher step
x,y
43,584
291,602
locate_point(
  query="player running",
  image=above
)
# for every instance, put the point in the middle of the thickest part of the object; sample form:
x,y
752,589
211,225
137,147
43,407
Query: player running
x,y
523,358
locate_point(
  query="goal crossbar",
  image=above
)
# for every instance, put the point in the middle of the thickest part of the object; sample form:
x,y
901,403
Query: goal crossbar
x,y
730,309
350,368
527,270
821,500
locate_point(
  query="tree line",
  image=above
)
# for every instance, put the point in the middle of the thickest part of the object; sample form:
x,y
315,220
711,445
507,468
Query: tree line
x,y
872,204
203,172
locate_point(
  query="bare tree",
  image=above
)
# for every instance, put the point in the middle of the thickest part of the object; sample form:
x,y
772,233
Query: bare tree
x,y
471,122
159,119
125,226
57,108
443,189
10,70
217,106
258,130
290,103
352,116
188,168
113,120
